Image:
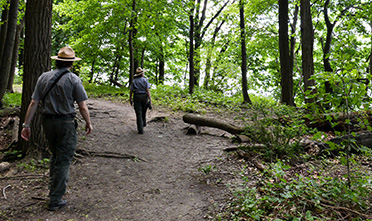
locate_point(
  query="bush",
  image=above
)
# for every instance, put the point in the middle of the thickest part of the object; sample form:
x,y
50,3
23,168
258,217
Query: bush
x,y
12,100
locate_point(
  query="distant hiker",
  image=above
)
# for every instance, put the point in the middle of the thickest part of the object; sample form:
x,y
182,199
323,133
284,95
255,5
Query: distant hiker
x,y
58,90
140,91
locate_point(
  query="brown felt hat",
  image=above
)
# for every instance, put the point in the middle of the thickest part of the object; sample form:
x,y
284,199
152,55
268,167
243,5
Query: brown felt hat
x,y
66,54
139,72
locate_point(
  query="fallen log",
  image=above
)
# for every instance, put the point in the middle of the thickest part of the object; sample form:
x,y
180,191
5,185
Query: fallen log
x,y
337,121
363,138
212,122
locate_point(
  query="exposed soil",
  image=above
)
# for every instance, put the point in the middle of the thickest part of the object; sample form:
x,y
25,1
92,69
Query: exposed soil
x,y
168,175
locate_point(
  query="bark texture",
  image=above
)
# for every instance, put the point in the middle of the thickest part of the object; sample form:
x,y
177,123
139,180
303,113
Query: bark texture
x,y
37,60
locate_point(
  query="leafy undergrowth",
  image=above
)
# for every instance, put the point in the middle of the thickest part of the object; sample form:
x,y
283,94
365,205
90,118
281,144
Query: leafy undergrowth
x,y
316,190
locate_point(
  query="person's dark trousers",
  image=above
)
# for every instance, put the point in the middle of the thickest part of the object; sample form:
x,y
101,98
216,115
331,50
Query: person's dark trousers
x,y
140,107
60,132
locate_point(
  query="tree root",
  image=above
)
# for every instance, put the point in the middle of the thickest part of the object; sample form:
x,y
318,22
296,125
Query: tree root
x,y
107,154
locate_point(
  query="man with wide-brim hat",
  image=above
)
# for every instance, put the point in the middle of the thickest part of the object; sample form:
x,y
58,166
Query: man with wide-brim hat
x,y
66,54
140,91
57,91
139,72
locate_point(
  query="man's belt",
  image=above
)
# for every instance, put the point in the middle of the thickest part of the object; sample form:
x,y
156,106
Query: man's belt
x,y
58,116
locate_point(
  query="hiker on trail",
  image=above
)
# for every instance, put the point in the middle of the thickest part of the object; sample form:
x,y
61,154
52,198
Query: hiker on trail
x,y
140,92
57,90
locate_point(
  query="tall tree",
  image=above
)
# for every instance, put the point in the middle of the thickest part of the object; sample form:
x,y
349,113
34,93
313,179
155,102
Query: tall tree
x,y
200,31
327,45
307,37
37,60
211,48
15,56
244,54
285,69
132,33
293,39
191,50
370,55
329,36
3,27
6,59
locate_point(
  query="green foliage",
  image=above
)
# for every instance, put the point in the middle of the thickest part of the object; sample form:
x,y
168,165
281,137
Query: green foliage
x,y
34,165
282,196
13,154
175,98
12,99
206,169
200,101
107,91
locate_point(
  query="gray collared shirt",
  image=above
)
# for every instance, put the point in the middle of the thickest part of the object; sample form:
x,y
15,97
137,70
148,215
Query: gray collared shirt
x,y
140,85
61,98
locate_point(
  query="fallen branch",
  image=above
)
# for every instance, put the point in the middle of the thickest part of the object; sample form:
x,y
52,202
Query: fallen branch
x,y
211,122
4,191
244,155
107,154
21,177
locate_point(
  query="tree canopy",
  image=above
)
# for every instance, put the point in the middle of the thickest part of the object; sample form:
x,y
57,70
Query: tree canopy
x,y
155,35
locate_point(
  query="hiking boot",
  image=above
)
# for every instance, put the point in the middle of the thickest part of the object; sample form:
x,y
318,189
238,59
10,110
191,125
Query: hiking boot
x,y
59,205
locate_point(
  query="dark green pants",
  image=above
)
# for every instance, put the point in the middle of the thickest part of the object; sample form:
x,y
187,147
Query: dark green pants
x,y
61,135
140,107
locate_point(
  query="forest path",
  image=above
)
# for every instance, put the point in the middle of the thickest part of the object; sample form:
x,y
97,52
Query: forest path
x,y
162,183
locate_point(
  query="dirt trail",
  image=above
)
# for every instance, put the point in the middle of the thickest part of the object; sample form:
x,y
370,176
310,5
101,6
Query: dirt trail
x,y
165,185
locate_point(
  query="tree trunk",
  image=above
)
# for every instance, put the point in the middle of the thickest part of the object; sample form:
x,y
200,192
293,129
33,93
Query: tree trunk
x,y
208,64
91,74
293,39
219,58
286,75
212,122
199,19
6,59
370,56
244,54
143,57
112,74
327,46
131,47
161,67
3,29
37,60
307,37
191,52
200,31
15,56
339,121
117,68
